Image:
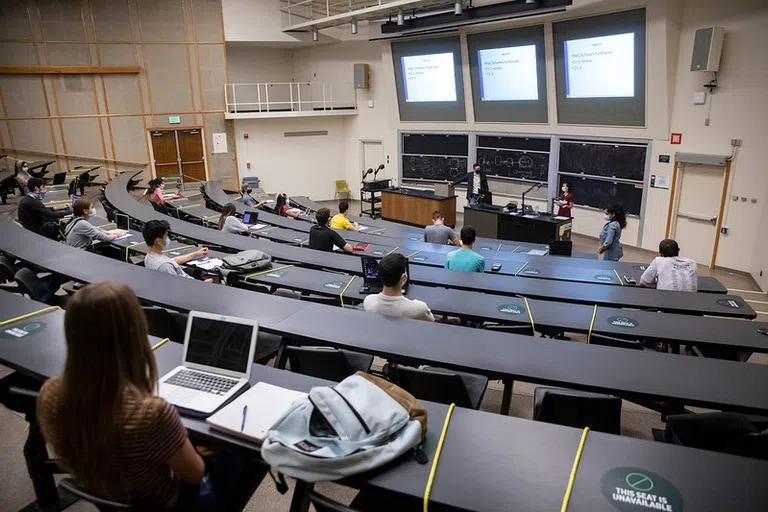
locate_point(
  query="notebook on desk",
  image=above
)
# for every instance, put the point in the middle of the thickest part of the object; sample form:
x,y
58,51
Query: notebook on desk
x,y
265,405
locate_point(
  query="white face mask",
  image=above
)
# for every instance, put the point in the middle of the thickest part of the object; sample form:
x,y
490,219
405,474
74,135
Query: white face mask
x,y
564,188
607,217
92,212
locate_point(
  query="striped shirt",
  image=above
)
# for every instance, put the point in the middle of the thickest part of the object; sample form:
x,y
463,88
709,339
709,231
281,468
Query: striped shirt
x,y
150,432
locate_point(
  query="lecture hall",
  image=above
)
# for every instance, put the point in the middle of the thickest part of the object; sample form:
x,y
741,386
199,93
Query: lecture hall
x,y
383,255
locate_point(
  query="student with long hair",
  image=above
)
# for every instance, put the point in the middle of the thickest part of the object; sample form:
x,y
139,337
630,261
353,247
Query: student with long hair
x,y
282,208
229,222
610,235
155,192
109,429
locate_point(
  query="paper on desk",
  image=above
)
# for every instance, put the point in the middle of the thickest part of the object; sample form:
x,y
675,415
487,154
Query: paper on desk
x,y
558,217
112,231
530,216
537,252
208,264
257,226
266,404
363,228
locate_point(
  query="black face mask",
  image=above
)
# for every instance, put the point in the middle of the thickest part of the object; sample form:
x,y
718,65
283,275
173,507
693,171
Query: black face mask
x,y
248,191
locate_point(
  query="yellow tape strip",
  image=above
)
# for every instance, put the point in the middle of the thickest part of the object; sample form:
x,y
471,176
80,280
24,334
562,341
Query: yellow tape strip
x,y
592,324
60,201
105,225
212,216
413,254
129,247
178,248
393,250
621,281
530,315
433,469
266,271
22,317
575,467
521,268
341,297
160,343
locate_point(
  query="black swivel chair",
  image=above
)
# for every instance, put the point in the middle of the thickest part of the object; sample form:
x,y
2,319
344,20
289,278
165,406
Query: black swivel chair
x,y
165,323
37,289
327,363
561,248
579,409
610,341
715,352
440,385
724,432
7,274
71,486
59,178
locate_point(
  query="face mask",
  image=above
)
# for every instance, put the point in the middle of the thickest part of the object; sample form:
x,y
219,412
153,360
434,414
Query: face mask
x,y
248,191
92,212
607,217
564,188
477,170
39,195
167,242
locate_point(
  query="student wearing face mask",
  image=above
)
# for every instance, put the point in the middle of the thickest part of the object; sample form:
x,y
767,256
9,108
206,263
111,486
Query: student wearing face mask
x,y
80,233
155,233
610,235
565,202
477,184
246,191
37,217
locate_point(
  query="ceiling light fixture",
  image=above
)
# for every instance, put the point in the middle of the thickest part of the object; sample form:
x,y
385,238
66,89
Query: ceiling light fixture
x,y
315,35
400,18
354,27
458,8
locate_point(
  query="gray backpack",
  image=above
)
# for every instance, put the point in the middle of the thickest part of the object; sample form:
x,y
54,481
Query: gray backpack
x,y
360,424
247,261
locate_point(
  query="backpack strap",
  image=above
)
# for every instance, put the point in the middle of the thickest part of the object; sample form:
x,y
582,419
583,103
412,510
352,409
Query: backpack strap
x,y
71,225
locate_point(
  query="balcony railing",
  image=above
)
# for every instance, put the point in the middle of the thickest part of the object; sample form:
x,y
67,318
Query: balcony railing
x,y
293,98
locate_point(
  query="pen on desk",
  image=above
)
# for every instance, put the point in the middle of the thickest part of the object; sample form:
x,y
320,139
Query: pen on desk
x,y
245,415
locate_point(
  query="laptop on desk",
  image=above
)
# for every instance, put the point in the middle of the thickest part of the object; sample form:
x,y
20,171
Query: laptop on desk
x,y
217,361
371,281
252,219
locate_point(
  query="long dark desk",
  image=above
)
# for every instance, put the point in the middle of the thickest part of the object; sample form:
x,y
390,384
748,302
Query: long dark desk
x,y
511,256
531,461
645,375
497,223
664,327
583,293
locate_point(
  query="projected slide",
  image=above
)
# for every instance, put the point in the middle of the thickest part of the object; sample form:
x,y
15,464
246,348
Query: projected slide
x,y
429,78
508,74
600,67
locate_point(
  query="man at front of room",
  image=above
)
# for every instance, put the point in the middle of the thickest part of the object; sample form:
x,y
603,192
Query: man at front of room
x,y
477,184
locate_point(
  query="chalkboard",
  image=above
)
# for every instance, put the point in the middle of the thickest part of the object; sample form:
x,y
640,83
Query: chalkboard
x,y
519,165
435,144
600,193
433,168
622,161
521,143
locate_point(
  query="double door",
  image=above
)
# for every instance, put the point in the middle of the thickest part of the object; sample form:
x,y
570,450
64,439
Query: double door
x,y
179,153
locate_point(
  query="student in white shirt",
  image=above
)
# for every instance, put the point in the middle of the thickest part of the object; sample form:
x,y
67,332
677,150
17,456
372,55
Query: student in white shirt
x,y
229,222
670,271
390,301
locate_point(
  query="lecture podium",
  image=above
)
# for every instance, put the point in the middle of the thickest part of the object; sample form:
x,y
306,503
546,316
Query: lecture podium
x,y
495,222
413,206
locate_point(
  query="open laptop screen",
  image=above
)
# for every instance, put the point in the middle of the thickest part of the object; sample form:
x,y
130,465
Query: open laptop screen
x,y
219,344
370,268
251,217
122,221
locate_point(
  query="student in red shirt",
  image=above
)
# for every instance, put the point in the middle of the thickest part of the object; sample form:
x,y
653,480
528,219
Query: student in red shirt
x,y
565,202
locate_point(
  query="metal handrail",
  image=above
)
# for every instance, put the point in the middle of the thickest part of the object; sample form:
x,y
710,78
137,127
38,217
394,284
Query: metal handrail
x,y
321,96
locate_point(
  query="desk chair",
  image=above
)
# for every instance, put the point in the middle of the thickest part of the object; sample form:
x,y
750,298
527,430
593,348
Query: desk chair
x,y
160,208
327,363
7,272
59,178
724,432
443,386
36,289
577,409
71,486
610,341
165,323
715,352
8,186
561,248
342,189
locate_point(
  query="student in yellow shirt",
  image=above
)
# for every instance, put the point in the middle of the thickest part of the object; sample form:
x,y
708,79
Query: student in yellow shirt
x,y
340,220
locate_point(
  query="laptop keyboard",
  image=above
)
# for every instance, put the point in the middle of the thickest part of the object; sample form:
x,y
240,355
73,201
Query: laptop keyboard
x,y
214,384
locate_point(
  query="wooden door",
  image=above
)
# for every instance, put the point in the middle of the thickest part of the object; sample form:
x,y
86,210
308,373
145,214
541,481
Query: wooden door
x,y
192,155
165,153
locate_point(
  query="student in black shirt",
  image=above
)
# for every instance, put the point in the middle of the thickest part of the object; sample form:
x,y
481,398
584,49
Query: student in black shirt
x,y
322,237
37,217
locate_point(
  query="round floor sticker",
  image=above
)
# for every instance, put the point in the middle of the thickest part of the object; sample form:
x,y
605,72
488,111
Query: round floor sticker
x,y
419,258
635,489
639,267
531,271
377,253
729,303
335,285
485,248
511,309
623,321
604,277
21,330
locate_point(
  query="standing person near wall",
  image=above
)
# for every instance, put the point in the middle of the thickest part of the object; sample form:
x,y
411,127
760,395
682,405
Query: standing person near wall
x,y
610,235
565,201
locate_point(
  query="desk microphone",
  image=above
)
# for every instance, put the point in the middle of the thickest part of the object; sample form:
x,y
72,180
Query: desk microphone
x,y
380,167
366,173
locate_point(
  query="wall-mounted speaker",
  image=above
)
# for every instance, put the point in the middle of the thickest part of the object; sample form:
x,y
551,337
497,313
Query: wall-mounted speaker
x,y
361,76
707,47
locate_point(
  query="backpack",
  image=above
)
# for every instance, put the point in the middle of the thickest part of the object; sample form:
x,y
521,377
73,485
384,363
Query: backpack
x,y
247,261
360,424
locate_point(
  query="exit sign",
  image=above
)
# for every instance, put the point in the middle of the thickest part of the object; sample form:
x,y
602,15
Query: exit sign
x,y
174,119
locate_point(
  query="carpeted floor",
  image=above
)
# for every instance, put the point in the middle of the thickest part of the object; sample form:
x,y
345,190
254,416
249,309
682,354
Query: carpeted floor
x,y
16,488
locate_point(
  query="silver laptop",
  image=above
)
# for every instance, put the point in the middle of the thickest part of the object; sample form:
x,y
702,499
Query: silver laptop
x,y
218,355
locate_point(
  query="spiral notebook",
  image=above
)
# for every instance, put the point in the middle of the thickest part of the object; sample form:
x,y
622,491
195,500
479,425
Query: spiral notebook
x,y
266,404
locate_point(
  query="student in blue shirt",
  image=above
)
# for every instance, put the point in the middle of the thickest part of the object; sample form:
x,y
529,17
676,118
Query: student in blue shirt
x,y
610,235
465,259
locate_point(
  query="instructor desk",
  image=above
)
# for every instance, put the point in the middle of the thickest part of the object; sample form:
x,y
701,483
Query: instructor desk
x,y
414,206
496,222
